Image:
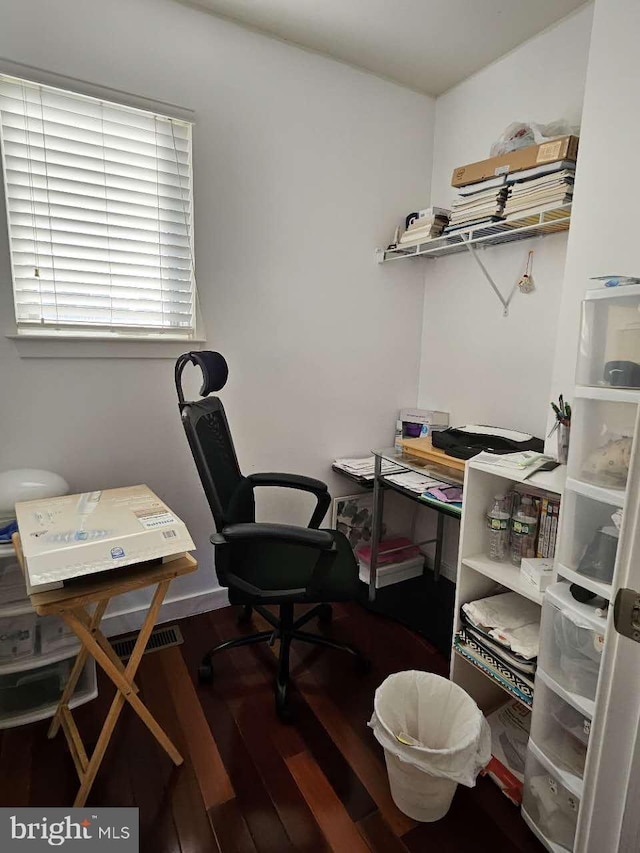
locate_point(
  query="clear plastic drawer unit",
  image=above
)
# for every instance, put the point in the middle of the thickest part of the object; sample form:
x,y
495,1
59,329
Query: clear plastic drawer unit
x,y
609,351
571,641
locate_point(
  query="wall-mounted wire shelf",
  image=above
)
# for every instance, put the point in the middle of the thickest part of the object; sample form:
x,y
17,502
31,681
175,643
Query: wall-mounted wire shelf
x,y
546,221
550,220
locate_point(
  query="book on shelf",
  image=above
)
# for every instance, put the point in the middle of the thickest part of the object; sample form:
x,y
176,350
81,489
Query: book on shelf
x,y
543,169
426,228
548,527
488,184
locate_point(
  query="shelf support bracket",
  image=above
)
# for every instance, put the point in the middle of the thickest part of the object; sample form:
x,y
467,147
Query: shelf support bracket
x,y
474,254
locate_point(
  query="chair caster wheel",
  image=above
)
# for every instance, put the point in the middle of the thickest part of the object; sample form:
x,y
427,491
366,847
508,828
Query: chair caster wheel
x,y
205,674
244,614
363,665
325,614
283,709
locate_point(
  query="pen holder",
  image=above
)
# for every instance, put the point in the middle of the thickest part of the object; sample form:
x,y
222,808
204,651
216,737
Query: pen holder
x,y
564,433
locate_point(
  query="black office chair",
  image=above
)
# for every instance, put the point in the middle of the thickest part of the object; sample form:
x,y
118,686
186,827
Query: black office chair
x,y
263,563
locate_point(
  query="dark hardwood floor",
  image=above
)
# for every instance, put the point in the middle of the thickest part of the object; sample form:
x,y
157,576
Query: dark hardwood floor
x,y
250,784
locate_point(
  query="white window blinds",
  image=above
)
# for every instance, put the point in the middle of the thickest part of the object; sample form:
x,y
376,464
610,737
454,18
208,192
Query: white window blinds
x,y
99,203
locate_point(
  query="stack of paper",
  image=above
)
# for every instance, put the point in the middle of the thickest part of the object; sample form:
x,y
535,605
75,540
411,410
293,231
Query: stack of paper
x,y
414,482
364,467
478,203
532,194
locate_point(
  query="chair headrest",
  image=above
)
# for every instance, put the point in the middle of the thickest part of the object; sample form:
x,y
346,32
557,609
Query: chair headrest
x,y
213,365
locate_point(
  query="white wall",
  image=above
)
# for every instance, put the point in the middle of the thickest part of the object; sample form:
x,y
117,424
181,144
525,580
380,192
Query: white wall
x,y
476,364
301,167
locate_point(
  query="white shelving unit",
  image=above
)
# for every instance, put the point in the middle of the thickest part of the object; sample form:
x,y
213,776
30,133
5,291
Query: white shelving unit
x,y
31,683
600,413
478,576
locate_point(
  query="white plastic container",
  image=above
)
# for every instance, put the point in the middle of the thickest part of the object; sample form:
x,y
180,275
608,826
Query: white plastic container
x,y
583,518
434,737
609,352
571,641
55,635
17,636
551,806
22,692
13,589
26,697
601,442
390,573
559,730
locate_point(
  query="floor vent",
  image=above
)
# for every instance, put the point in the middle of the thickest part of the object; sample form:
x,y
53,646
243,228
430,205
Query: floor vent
x,y
161,638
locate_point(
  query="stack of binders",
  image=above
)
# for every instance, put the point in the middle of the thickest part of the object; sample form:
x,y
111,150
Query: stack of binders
x,y
478,204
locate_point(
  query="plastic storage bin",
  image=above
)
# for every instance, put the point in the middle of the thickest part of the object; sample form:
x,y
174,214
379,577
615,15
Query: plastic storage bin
x,y
559,730
609,352
17,636
571,641
601,442
13,589
589,541
55,635
32,695
551,806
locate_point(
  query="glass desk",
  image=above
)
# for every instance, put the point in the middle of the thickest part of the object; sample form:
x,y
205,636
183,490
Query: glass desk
x,y
381,483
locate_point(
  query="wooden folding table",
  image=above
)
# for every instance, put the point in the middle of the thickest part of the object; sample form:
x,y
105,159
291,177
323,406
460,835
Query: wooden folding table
x,y
71,604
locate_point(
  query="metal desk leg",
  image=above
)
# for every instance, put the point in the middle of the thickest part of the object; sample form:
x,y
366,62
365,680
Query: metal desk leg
x,y
439,540
376,526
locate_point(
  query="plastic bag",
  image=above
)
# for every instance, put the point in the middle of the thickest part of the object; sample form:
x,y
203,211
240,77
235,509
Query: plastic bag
x,y
522,134
444,732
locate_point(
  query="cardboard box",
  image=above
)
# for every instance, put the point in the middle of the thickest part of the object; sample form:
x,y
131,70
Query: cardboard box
x,y
563,148
79,535
538,571
510,727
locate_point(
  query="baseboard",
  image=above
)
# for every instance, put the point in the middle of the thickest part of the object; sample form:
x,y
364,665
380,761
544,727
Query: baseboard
x,y
125,621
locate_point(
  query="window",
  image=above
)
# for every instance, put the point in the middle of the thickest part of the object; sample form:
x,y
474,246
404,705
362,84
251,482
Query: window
x,y
99,204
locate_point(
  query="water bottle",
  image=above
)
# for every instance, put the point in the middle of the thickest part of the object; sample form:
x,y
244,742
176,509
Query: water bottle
x,y
523,531
498,523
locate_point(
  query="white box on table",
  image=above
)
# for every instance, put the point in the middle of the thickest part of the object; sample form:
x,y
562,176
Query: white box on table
x,y
79,535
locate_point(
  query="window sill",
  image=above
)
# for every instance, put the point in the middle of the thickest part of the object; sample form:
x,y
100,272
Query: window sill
x,y
93,346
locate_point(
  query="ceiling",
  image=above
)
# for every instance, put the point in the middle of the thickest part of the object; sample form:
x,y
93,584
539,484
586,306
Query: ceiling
x,y
428,45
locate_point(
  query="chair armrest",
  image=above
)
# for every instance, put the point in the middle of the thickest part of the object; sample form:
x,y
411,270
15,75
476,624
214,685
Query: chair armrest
x,y
262,531
297,481
289,481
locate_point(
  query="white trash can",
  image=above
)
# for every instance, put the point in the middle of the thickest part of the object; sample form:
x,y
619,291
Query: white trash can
x,y
434,737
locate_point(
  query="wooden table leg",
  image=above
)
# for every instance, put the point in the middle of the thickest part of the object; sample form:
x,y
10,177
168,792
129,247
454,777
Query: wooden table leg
x,y
78,666
123,681
94,643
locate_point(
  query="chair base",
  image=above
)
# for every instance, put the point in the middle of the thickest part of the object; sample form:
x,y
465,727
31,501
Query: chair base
x,y
285,629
